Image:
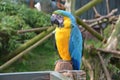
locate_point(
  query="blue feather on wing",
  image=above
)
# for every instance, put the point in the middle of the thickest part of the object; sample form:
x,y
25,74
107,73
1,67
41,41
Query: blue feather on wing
x,y
76,47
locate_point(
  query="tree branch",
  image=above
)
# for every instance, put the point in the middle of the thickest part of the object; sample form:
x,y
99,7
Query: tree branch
x,y
102,17
93,32
32,30
87,7
96,13
89,67
114,52
104,67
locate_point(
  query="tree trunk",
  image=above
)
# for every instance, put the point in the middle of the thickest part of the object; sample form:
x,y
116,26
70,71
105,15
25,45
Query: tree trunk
x,y
70,6
31,3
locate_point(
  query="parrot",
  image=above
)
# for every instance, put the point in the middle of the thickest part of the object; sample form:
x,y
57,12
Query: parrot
x,y
68,37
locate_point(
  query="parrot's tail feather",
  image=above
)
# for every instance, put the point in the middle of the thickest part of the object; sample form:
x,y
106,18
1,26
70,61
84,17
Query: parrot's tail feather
x,y
76,60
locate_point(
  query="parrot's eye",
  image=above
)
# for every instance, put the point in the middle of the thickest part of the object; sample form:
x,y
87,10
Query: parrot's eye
x,y
57,19
59,16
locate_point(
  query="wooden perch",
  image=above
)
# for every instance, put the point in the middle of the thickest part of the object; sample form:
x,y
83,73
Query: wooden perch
x,y
32,30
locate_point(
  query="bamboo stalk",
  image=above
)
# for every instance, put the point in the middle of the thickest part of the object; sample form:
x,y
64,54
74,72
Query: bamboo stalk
x,y
93,32
73,6
32,30
107,6
87,7
27,44
8,63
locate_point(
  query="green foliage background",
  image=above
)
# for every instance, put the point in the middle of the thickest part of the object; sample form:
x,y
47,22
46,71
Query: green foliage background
x,y
16,16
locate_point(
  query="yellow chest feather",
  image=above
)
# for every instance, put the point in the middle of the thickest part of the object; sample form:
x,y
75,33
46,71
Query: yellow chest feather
x,y
62,37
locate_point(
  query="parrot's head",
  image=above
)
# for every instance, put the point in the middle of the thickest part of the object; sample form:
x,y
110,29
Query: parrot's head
x,y
62,18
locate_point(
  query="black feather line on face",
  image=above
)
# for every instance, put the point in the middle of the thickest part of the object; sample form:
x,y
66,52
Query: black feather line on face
x,y
57,19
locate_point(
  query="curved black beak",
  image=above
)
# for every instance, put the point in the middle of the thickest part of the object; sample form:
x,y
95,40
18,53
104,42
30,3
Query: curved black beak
x,y
57,19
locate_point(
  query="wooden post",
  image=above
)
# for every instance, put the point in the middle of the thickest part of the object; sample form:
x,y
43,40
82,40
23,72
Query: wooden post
x,y
70,6
74,74
31,3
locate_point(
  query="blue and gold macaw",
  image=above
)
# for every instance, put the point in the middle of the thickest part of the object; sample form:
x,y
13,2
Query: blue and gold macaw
x,y
68,37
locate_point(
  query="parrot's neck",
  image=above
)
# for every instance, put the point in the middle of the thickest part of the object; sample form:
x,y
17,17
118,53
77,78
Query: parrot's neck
x,y
67,22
